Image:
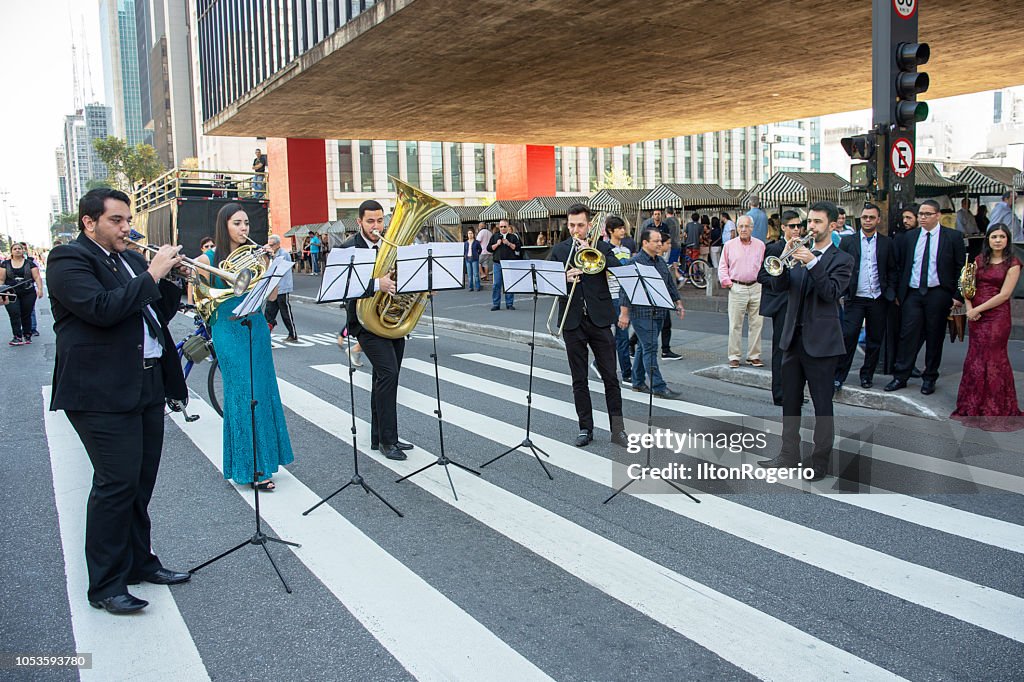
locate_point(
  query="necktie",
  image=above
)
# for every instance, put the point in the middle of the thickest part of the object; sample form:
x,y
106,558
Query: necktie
x,y
147,315
869,238
926,261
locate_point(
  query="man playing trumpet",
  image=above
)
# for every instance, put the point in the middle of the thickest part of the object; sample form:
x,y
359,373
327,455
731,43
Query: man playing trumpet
x,y
588,318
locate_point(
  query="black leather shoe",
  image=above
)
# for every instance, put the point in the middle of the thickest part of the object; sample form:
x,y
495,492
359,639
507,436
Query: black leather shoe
x,y
120,604
511,307
667,393
915,373
895,385
393,452
779,462
620,438
818,475
927,387
401,445
497,307
164,576
866,383
584,438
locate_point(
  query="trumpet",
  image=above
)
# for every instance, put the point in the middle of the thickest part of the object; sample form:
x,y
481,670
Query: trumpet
x,y
774,265
239,281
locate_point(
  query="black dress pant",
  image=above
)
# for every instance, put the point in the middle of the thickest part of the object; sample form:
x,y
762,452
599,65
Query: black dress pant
x,y
283,305
124,448
859,310
924,314
778,321
666,335
386,357
20,311
602,342
798,369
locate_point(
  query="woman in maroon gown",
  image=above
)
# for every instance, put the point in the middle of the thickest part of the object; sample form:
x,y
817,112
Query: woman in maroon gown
x,y
987,398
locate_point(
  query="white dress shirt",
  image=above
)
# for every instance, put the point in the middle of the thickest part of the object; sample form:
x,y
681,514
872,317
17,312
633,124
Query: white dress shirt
x,y
933,252
868,285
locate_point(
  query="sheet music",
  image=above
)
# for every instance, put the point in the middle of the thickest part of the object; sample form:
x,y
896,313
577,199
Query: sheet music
x,y
257,296
447,267
347,274
640,280
517,278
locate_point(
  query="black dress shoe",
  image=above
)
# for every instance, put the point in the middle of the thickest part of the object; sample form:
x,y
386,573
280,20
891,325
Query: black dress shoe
x,y
584,438
620,438
120,604
915,373
779,462
163,576
497,307
817,476
927,387
511,307
866,383
895,385
393,452
401,445
667,393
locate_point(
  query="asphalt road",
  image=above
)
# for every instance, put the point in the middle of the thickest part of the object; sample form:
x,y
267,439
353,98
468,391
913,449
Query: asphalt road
x,y
910,567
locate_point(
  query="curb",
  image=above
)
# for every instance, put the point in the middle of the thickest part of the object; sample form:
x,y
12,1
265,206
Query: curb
x,y
850,395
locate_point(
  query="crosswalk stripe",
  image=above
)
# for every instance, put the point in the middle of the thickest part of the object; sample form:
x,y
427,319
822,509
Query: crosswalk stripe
x,y
161,646
731,629
972,603
882,453
358,572
924,513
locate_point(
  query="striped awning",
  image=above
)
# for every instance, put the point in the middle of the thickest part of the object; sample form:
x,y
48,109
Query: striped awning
x,y
1018,182
791,188
929,182
446,217
617,200
545,207
502,210
303,230
987,180
341,227
755,191
689,196
469,214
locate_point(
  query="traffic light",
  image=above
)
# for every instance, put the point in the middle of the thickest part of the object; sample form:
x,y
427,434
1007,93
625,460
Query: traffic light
x,y
859,146
910,83
862,148
863,176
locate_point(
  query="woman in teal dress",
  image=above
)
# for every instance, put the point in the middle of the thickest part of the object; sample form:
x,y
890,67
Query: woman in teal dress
x,y
231,342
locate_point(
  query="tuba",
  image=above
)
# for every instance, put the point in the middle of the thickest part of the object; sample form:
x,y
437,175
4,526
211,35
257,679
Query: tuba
x,y
968,282
393,317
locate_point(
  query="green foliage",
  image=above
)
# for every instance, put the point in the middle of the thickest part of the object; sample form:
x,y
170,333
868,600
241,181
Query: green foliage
x,y
613,179
67,219
128,166
98,183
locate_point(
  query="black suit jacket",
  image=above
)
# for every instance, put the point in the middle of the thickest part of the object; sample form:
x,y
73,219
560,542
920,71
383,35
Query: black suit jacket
x,y
772,302
949,260
885,254
354,327
592,288
98,321
827,282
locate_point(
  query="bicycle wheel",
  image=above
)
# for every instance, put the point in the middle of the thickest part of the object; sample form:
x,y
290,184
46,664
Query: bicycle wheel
x,y
215,385
699,274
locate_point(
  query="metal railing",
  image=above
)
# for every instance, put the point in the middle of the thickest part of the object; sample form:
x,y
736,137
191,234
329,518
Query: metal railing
x,y
180,183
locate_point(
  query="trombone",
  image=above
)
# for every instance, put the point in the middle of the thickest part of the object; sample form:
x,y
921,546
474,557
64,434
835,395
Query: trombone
x,y
588,259
239,281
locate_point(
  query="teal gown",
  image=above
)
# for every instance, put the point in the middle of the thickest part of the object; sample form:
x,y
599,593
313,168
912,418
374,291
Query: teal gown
x,y
231,342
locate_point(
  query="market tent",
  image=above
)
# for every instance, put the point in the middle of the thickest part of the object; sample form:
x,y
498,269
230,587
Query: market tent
x,y
689,196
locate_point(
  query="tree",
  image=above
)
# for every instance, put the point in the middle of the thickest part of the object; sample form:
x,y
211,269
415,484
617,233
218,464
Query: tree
x,y
97,183
128,166
613,179
67,218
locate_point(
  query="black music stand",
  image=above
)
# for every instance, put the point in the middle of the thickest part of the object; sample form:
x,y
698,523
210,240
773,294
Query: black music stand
x,y
431,268
538,277
253,304
346,277
644,286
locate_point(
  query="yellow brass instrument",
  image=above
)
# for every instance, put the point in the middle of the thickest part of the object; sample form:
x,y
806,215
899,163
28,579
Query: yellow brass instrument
x,y
586,258
967,283
395,316
239,282
774,265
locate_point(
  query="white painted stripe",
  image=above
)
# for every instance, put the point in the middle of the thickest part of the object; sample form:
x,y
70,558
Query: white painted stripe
x,y
737,632
972,603
924,513
882,453
394,604
154,644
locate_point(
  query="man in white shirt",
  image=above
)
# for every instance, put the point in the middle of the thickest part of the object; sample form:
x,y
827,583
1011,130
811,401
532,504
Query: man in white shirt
x,y
284,288
483,235
965,222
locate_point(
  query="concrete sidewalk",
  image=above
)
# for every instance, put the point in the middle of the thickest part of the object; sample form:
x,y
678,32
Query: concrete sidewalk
x,y
700,338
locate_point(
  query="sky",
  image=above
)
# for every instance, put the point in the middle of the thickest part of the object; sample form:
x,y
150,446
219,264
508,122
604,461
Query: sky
x,y
35,57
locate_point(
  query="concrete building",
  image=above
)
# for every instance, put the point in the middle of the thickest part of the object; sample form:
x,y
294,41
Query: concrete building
x,y
98,125
119,47
63,185
935,141
76,150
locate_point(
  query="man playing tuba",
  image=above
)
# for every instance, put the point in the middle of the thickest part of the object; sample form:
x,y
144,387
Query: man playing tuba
x,y
385,354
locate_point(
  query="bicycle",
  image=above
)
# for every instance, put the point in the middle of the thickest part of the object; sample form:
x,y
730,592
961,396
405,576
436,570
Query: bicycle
x,y
696,270
196,347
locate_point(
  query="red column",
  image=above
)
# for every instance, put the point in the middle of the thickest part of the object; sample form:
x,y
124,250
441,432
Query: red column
x,y
524,171
297,183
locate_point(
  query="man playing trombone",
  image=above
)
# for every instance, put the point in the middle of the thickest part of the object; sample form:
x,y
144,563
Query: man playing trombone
x,y
587,316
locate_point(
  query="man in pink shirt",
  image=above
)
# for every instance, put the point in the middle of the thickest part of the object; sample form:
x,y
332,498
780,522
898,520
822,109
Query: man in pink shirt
x,y
737,271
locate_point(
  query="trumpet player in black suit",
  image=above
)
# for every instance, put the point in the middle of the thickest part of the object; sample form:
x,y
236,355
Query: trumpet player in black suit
x,y
774,303
589,314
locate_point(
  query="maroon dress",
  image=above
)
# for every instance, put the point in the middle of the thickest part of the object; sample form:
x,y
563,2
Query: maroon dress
x,y
987,398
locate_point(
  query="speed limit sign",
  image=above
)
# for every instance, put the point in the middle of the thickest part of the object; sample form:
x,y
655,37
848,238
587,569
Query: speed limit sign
x,y
905,8
901,157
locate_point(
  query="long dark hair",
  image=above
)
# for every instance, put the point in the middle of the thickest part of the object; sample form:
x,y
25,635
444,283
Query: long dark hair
x,y
221,235
986,248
